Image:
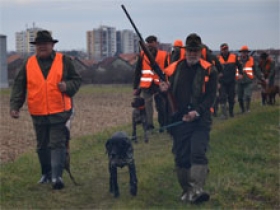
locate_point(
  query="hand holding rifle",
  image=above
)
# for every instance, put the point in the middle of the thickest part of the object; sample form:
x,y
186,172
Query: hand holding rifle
x,y
154,65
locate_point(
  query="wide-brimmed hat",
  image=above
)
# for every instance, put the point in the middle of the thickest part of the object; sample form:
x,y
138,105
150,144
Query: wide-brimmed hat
x,y
193,42
43,36
244,48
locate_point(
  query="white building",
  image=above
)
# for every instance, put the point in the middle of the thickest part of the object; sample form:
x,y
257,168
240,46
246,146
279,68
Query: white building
x,y
101,42
127,41
24,37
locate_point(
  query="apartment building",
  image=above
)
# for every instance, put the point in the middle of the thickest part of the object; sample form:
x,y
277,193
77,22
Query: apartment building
x,y
105,41
23,38
101,42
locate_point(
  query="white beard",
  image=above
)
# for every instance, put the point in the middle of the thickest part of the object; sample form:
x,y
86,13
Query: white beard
x,y
192,61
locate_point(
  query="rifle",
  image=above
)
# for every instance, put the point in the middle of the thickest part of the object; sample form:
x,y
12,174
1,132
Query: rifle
x,y
154,65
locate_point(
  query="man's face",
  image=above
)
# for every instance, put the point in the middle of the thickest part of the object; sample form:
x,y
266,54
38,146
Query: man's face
x,y
193,56
244,54
44,49
224,51
153,44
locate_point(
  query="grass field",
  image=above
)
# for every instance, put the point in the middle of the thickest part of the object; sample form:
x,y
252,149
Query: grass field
x,y
243,154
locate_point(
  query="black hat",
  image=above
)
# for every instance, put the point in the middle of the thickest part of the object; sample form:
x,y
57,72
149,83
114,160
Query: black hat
x,y
193,41
151,39
224,46
43,36
264,55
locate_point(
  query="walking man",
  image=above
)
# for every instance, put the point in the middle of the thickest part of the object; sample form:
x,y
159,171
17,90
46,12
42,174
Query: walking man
x,y
48,80
193,83
227,80
147,81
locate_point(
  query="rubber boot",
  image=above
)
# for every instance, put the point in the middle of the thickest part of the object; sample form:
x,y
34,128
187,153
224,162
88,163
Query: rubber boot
x,y
248,101
230,110
198,176
263,99
58,160
241,105
183,176
45,162
224,111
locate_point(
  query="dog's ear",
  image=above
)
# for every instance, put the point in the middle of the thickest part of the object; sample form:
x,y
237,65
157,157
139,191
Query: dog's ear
x,y
108,145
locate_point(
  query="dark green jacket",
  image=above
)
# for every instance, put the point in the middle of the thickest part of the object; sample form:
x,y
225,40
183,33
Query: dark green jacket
x,y
186,85
19,90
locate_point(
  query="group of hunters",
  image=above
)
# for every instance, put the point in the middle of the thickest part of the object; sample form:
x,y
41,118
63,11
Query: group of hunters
x,y
195,77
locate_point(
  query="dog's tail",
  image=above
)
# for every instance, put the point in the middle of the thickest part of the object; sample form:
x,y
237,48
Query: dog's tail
x,y
67,168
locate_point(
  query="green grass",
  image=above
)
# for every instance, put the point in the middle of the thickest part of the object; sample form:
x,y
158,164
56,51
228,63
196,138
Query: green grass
x,y
244,171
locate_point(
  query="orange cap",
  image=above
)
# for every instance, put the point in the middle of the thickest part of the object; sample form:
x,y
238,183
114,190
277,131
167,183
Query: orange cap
x,y
244,48
178,43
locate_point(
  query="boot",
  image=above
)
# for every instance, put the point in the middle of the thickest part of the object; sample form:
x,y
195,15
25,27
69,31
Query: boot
x,y
241,105
230,110
183,176
57,160
198,176
224,111
45,162
263,99
248,101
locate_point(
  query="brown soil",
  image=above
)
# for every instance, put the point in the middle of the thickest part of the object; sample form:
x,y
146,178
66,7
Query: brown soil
x,y
94,113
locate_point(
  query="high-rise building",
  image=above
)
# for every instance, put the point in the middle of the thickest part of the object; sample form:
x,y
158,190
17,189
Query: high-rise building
x,y
127,41
23,38
101,42
106,41
3,62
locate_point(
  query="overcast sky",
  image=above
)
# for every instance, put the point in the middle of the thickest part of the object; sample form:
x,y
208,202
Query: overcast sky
x,y
238,22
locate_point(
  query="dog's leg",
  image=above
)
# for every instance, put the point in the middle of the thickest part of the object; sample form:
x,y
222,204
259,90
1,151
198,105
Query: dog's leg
x,y
114,188
111,179
145,126
134,124
133,179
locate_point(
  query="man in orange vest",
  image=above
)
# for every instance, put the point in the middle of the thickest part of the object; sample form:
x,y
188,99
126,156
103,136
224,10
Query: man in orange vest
x,y
227,80
245,84
49,80
178,52
267,68
193,83
146,80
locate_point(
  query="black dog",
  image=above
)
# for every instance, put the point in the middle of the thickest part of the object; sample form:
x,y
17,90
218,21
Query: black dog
x,y
139,117
120,154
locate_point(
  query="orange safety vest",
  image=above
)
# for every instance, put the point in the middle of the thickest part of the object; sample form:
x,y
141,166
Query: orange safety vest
x,y
148,75
265,67
205,65
43,95
203,53
182,55
231,59
247,69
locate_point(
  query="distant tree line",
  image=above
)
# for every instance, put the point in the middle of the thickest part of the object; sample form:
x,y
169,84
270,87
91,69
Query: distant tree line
x,y
111,74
